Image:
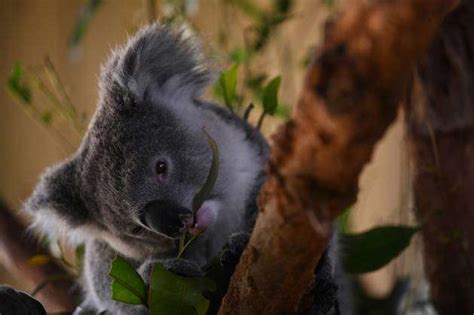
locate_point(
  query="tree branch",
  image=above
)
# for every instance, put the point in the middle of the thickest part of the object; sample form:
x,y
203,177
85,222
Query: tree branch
x,y
17,247
349,99
440,120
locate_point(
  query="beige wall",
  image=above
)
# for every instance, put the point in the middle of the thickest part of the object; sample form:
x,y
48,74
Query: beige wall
x,y
30,30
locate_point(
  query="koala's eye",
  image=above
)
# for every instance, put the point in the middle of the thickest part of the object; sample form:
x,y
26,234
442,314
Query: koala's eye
x,y
161,168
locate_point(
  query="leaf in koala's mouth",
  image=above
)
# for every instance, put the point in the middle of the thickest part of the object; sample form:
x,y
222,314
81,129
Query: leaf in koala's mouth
x,y
205,216
208,186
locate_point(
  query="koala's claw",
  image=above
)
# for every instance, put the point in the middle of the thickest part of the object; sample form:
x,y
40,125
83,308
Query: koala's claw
x,y
179,266
230,254
182,267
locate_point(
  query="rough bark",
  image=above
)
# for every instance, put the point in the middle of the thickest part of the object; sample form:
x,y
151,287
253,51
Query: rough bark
x,y
349,98
440,116
17,247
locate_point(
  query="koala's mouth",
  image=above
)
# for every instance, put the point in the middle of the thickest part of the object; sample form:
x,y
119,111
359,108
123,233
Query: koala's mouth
x,y
166,218
173,221
205,216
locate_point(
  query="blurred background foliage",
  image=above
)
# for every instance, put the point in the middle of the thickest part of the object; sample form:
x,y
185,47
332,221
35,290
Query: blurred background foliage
x,y
51,53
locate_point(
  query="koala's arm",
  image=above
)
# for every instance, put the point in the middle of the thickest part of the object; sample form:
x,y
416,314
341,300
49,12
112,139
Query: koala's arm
x,y
56,204
98,260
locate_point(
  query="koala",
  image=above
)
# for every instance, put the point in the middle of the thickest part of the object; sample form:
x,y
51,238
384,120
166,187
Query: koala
x,y
129,188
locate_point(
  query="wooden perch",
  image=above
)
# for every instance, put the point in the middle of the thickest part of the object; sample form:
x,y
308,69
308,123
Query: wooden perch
x,y
17,247
349,99
440,120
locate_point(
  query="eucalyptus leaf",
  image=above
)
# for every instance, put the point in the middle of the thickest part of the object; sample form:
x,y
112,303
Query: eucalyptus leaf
x,y
283,6
249,8
227,86
255,83
48,280
39,260
270,96
16,87
371,250
342,221
171,294
328,3
46,117
239,55
208,186
79,259
127,285
283,111
83,21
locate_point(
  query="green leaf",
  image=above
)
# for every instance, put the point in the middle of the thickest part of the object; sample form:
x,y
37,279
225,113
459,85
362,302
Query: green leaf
x,y
16,87
283,111
371,250
227,86
283,6
208,186
270,96
249,8
48,280
82,23
239,55
79,259
328,3
39,260
46,117
255,84
127,285
171,294
342,221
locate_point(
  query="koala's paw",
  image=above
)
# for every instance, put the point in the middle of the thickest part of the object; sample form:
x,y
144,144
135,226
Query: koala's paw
x,y
114,308
230,254
87,307
178,266
13,302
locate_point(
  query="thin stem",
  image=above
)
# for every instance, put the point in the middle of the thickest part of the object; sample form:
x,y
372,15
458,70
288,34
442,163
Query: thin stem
x,y
181,244
31,111
260,120
247,111
57,84
63,104
50,279
186,245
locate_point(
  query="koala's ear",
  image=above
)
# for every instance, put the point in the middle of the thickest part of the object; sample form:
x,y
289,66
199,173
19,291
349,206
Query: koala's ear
x,y
57,198
158,62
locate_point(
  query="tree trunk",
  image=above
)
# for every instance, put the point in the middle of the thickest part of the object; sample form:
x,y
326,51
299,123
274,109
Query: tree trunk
x,y
349,99
440,119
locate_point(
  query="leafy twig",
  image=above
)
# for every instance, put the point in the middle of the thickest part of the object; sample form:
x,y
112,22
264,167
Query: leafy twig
x,y
185,245
50,279
247,111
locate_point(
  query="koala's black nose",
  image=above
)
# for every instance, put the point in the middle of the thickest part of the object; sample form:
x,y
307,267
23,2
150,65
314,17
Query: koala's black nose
x,y
166,218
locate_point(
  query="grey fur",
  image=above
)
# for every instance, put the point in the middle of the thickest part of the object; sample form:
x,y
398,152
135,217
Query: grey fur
x,y
148,109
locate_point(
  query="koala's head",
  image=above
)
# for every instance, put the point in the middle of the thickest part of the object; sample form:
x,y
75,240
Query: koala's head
x,y
145,155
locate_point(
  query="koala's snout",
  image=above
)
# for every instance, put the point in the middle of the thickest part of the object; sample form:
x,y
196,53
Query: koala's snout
x,y
167,218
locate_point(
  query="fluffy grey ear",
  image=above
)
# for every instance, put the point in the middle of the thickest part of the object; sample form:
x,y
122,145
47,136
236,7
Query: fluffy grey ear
x,y
56,202
158,61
